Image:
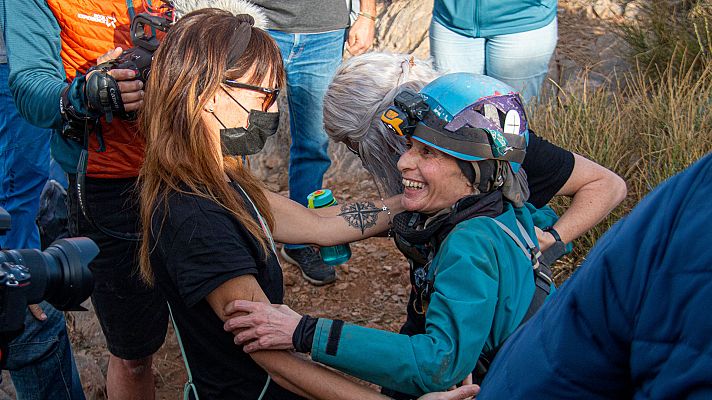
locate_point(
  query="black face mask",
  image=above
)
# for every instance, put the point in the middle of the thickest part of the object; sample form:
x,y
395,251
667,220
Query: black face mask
x,y
250,140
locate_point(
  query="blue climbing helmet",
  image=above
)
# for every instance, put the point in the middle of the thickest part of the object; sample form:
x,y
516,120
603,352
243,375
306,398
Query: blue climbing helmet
x,y
468,116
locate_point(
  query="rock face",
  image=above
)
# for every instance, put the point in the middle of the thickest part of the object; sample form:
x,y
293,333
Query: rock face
x,y
610,9
7,391
403,27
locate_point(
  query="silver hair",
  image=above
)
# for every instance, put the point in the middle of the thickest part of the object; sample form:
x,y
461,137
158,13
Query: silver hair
x,y
362,89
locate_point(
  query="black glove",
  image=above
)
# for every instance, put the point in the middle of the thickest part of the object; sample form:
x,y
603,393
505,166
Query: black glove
x,y
103,94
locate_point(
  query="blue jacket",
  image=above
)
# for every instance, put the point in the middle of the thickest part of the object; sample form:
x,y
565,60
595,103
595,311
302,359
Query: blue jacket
x,y
484,18
483,285
634,321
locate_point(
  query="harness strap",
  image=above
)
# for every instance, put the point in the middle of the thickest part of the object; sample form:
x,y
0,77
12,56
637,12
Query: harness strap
x,y
533,249
514,237
542,272
189,387
542,282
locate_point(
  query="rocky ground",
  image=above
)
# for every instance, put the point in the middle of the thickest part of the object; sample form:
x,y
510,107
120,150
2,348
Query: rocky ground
x,y
372,287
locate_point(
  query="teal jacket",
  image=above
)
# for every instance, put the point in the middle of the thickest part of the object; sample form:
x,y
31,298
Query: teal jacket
x,y
485,18
483,285
32,36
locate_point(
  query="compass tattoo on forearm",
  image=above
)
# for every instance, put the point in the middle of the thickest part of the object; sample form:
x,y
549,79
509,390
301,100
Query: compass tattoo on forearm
x,y
361,215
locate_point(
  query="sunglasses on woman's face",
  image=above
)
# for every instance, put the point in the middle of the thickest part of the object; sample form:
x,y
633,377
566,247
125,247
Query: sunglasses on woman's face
x,y
270,94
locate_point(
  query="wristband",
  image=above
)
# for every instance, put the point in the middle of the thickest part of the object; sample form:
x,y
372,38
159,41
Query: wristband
x,y
553,233
67,110
367,15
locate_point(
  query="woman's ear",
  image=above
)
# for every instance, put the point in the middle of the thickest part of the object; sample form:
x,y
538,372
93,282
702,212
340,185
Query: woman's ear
x,y
210,105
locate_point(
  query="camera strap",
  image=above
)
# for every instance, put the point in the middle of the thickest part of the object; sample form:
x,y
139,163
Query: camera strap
x,y
83,205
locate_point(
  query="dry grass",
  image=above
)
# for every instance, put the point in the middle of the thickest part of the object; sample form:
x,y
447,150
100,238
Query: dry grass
x,y
672,33
656,128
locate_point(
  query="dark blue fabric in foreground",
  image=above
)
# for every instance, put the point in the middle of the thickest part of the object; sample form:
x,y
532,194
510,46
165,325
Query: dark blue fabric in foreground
x,y
635,320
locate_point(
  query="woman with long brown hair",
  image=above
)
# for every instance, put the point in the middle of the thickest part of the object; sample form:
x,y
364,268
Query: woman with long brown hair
x,y
208,223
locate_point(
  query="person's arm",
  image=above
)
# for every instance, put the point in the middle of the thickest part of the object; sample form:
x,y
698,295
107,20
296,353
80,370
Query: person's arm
x,y
37,77
553,171
363,30
459,317
33,48
207,257
294,373
328,226
595,191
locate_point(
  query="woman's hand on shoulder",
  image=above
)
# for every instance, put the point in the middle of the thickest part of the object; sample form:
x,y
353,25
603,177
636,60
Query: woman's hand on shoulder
x,y
261,326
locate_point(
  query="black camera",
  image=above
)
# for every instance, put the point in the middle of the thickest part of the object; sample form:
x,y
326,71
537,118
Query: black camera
x,y
143,37
59,275
102,90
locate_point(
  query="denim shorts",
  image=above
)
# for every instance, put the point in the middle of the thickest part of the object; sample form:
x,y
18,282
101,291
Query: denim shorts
x,y
132,314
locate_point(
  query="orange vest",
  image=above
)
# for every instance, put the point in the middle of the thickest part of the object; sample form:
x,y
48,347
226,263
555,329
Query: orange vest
x,y
89,29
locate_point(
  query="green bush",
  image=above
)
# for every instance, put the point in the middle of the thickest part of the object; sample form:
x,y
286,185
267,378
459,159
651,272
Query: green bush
x,y
660,125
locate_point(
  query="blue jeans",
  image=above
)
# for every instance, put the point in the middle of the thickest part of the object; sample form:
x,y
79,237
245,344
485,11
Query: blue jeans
x,y
40,360
520,60
310,61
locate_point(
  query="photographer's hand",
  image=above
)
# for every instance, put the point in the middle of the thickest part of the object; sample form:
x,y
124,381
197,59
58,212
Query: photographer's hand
x,y
131,88
37,312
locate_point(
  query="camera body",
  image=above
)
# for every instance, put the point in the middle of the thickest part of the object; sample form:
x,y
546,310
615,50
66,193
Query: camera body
x,y
59,274
409,108
143,37
14,282
102,90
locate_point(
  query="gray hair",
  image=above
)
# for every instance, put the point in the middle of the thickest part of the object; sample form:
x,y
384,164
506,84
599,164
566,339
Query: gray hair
x,y
362,89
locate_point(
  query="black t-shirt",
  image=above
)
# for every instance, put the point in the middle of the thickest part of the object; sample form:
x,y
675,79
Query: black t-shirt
x,y
548,167
197,246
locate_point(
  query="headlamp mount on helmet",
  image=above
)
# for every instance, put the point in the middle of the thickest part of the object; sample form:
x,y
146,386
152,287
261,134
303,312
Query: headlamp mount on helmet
x,y
409,108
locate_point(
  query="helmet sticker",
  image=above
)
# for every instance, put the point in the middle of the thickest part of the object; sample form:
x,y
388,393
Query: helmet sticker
x,y
512,122
498,143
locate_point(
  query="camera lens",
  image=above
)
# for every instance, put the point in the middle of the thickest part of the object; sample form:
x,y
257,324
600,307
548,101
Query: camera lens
x,y
60,274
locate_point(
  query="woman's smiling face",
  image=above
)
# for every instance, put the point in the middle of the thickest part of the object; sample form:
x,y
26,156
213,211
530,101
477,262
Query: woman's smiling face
x,y
432,179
